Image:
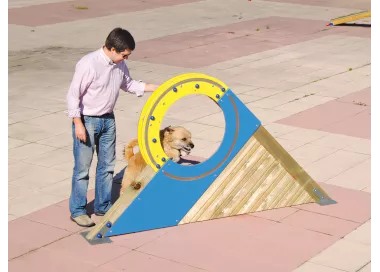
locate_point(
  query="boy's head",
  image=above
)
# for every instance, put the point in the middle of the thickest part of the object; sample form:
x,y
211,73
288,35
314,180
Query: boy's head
x,y
120,43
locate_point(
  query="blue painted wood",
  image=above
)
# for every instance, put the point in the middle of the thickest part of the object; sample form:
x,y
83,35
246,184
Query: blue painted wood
x,y
166,199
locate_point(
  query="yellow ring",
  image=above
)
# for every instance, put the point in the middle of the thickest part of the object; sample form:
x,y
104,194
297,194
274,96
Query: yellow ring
x,y
158,104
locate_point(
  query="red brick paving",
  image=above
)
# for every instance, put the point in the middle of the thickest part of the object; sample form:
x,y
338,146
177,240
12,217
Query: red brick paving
x,y
54,13
209,46
289,235
341,116
355,4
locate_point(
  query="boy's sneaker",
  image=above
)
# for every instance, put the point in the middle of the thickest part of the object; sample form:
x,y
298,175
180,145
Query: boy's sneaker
x,y
83,220
99,214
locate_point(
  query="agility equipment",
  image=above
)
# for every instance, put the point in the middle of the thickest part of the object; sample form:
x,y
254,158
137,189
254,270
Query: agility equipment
x,y
350,18
249,172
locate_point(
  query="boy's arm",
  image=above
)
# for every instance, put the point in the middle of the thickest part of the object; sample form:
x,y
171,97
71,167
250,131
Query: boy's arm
x,y
137,87
81,81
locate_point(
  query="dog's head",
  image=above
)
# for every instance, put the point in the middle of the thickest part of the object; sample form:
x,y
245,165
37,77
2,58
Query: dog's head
x,y
177,138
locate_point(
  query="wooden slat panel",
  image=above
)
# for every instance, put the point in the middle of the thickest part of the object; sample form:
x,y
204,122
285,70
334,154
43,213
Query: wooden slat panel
x,y
262,176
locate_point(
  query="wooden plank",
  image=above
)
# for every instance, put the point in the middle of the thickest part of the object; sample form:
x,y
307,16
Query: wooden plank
x,y
290,165
121,204
220,183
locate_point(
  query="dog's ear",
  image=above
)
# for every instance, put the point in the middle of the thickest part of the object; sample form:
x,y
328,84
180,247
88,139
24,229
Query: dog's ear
x,y
168,130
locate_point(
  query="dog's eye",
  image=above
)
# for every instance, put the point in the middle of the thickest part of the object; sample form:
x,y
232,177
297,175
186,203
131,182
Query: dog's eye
x,y
184,139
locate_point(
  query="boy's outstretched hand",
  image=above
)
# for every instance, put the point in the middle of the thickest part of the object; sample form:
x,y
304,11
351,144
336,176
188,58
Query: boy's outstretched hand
x,y
150,87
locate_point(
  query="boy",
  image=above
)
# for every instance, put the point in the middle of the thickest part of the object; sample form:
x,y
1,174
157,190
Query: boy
x,y
91,100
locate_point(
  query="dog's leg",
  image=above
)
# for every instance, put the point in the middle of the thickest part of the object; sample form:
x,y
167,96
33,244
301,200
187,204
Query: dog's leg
x,y
174,155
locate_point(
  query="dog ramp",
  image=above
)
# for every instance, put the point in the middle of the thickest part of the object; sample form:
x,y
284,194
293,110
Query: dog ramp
x,y
249,172
350,18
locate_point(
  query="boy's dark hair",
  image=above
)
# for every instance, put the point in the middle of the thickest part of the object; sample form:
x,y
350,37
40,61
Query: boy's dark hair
x,y
120,39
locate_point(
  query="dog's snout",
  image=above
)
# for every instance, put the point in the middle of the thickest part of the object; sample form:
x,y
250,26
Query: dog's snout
x,y
191,145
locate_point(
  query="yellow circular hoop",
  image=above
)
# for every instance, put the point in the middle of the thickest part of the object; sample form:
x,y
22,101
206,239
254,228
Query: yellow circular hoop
x,y
158,104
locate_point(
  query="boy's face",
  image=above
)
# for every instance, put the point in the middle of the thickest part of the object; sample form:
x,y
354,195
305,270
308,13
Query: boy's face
x,y
119,57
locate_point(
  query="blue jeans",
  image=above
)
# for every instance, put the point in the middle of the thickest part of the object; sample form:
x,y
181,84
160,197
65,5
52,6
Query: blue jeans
x,y
101,136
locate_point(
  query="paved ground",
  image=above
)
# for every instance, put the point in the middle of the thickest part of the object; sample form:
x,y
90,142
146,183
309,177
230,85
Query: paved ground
x,y
309,84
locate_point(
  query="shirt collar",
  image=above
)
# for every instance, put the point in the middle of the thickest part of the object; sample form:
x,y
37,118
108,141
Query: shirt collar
x,y
107,60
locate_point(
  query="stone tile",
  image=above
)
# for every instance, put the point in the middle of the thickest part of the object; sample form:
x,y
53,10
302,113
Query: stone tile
x,y
360,146
139,261
245,98
47,260
216,119
362,234
275,214
276,130
136,240
18,191
357,177
368,189
26,114
312,267
77,248
267,116
61,188
293,107
200,144
28,151
52,158
334,164
320,223
366,268
195,127
20,16
32,133
206,152
304,135
54,216
289,145
264,238
33,202
351,205
25,235
324,115
309,153
214,134
194,113
20,169
11,217
268,103
12,143
41,179
315,100
358,125
336,141
344,255
263,92
363,96
58,141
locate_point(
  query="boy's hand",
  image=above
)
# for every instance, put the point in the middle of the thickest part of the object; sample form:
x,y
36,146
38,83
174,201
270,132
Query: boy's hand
x,y
150,87
80,130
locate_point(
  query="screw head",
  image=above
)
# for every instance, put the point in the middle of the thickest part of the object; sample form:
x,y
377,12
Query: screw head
x,y
99,235
152,118
154,140
175,89
223,89
158,166
197,86
109,224
163,159
217,96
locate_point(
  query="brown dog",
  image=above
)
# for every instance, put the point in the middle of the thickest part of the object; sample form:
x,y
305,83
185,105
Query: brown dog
x,y
174,140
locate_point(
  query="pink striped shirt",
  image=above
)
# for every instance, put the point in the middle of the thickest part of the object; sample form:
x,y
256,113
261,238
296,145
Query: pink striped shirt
x,y
96,84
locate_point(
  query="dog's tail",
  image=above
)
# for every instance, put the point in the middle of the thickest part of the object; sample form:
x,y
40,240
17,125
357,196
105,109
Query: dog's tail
x,y
128,149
